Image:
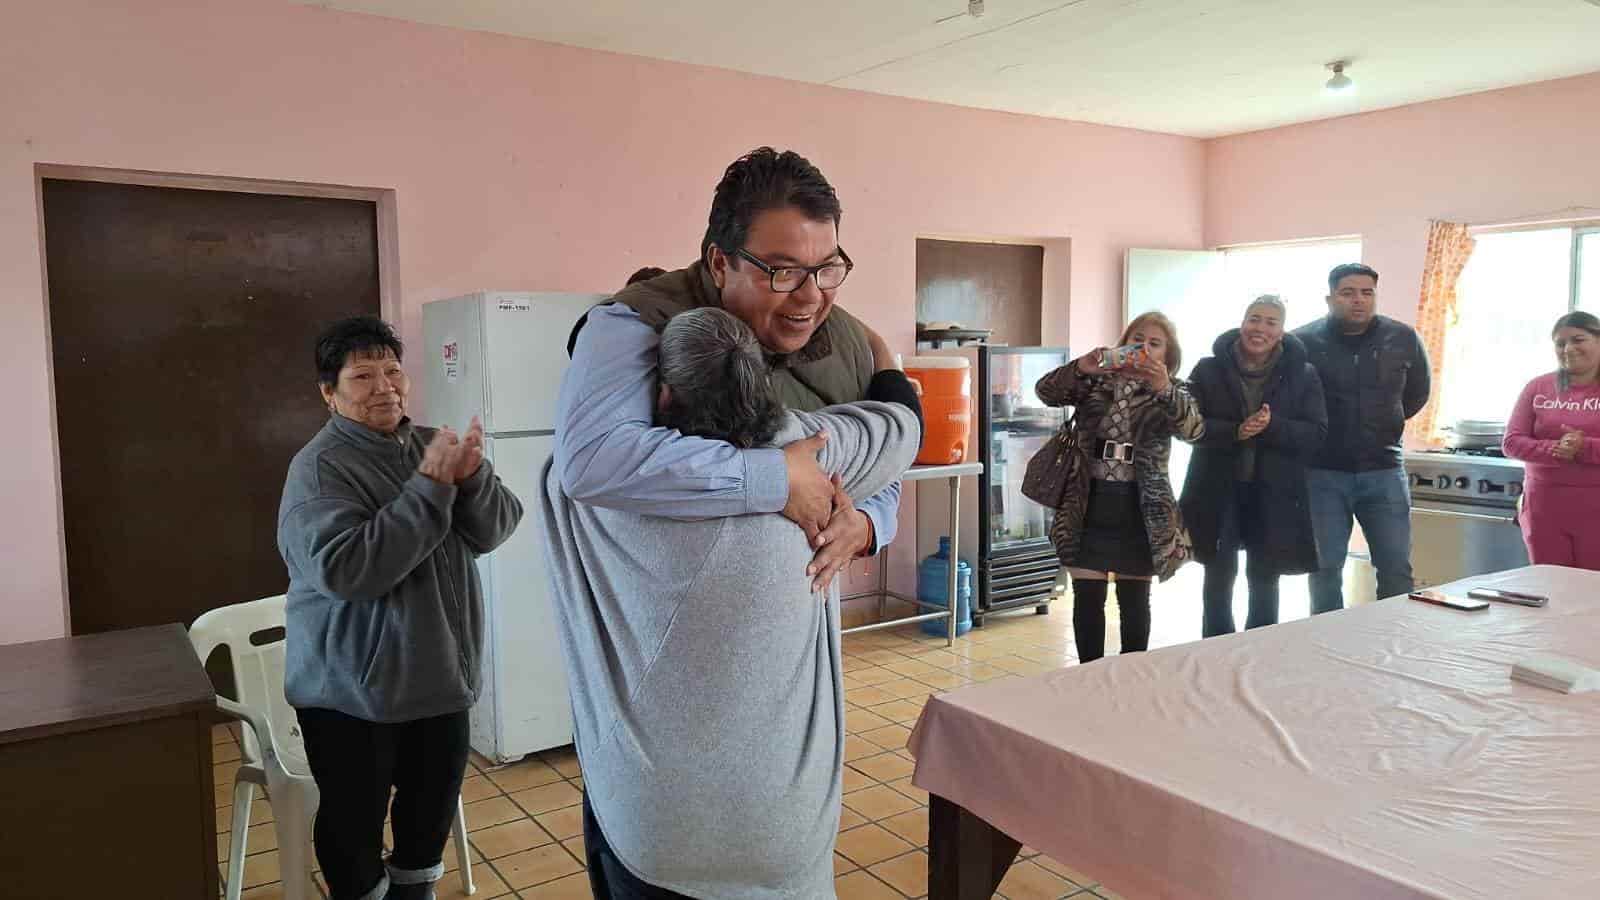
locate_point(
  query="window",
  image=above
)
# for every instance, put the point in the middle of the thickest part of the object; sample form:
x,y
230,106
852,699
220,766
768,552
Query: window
x,y
1233,276
1298,273
1514,287
1588,257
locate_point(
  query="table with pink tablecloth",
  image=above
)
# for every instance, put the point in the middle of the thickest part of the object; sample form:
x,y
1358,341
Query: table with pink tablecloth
x,y
1380,753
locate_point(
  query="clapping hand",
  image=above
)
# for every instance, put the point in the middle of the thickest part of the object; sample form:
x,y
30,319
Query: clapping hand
x,y
1256,424
1570,445
450,458
469,455
440,458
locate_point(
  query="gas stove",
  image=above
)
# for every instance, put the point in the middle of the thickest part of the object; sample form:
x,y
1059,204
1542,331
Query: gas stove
x,y
1478,479
1463,516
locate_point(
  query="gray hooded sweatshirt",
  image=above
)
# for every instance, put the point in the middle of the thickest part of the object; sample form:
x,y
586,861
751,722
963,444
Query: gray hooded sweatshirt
x,y
706,680
384,611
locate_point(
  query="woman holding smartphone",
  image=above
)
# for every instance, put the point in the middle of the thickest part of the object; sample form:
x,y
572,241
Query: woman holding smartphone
x,y
1117,516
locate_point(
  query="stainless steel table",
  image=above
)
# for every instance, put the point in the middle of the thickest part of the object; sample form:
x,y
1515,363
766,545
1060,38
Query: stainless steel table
x,y
954,472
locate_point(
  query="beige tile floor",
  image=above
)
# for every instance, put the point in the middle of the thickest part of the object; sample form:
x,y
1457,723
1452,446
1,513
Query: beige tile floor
x,y
525,823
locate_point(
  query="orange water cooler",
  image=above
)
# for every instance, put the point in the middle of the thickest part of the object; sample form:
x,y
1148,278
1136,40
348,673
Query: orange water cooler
x,y
946,383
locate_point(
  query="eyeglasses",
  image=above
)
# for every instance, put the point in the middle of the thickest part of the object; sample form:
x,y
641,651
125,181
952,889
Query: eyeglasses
x,y
788,279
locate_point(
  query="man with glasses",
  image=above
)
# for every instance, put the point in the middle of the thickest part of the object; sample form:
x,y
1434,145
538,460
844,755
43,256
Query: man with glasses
x,y
770,256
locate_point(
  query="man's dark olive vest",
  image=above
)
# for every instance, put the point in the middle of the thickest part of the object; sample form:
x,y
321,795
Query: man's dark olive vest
x,y
835,366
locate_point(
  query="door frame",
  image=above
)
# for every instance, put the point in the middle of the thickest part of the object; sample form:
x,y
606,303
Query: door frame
x,y
388,237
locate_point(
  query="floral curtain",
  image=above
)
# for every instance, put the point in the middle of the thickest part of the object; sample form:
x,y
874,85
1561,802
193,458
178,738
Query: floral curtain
x,y
1449,246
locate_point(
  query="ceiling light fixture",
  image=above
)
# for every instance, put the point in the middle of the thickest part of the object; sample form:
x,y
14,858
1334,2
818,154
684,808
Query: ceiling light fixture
x,y
975,8
1340,83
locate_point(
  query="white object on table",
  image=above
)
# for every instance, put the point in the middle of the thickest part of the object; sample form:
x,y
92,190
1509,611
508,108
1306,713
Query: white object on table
x,y
1556,673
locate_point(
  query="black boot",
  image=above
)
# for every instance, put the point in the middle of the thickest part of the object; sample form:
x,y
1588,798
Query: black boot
x,y
1089,618
1133,606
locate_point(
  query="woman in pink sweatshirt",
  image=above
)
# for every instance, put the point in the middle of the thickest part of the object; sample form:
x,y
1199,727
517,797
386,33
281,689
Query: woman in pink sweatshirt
x,y
1555,430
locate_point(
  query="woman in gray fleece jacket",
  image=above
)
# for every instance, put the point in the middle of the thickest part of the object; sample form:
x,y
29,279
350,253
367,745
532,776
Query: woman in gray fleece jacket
x,y
705,673
380,524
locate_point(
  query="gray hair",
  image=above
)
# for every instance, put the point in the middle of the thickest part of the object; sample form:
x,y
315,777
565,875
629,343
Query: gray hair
x,y
718,382
1272,300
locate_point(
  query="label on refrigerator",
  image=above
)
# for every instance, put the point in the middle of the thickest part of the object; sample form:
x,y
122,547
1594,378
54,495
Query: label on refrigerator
x,y
450,356
515,304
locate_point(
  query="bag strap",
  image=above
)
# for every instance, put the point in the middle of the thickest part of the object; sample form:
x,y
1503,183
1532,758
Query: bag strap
x,y
1064,435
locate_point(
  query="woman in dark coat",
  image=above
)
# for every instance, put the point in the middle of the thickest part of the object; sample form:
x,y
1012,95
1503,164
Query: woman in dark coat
x,y
1246,489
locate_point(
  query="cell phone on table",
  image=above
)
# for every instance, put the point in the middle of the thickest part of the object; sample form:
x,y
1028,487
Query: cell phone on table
x,y
1440,598
1500,596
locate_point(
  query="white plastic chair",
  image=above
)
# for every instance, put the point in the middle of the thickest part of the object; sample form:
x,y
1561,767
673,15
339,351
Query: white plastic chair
x,y
273,752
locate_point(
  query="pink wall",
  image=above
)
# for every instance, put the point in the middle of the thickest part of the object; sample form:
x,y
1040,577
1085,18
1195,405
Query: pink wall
x,y
516,165
1481,159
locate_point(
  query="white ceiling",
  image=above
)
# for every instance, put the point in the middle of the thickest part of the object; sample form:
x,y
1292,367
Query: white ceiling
x,y
1195,67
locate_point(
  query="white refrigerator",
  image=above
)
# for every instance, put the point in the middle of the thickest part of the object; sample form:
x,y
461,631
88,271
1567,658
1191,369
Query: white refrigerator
x,y
500,355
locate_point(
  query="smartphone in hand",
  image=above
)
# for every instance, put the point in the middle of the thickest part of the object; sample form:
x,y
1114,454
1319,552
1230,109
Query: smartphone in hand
x,y
1128,355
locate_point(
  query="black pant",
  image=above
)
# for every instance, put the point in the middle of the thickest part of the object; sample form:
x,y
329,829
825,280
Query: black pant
x,y
1239,529
355,763
609,879
1089,616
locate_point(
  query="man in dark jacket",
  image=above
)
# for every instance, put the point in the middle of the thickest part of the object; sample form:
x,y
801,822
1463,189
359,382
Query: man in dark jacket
x,y
1374,376
1265,419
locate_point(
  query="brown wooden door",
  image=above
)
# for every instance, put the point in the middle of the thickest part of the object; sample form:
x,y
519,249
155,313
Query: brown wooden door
x,y
182,325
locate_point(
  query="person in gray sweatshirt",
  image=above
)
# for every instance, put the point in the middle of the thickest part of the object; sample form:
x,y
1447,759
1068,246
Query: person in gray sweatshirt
x,y
704,670
380,524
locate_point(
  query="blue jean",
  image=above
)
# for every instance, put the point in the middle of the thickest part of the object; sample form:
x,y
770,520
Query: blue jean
x,y
1381,502
1240,526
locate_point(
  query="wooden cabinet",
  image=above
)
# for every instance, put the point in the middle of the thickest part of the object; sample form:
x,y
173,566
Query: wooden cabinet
x,y
105,767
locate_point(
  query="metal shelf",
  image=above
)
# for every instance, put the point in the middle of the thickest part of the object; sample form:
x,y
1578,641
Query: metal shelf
x,y
957,336
954,472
